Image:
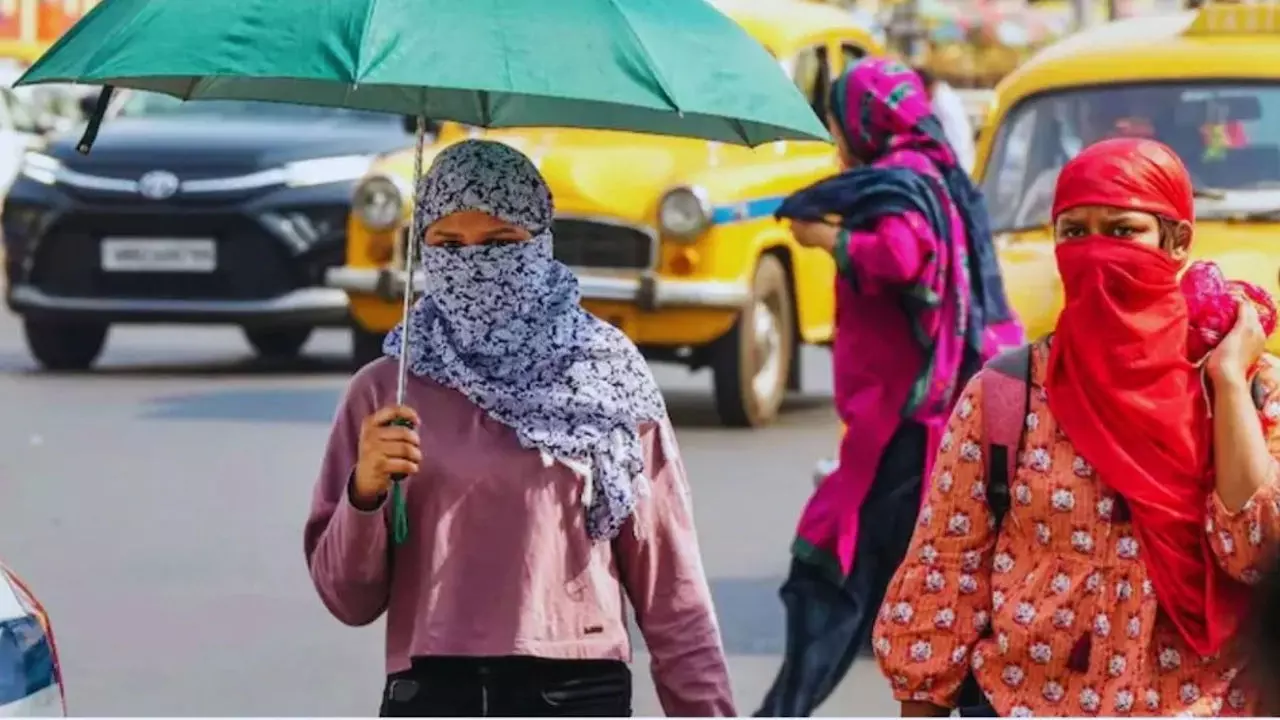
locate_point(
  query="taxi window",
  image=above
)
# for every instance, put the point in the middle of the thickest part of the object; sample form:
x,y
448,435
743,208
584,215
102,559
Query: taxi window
x,y
1009,163
812,75
1227,133
852,54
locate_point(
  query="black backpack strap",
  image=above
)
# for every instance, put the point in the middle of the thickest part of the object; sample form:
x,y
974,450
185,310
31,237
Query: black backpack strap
x,y
1016,363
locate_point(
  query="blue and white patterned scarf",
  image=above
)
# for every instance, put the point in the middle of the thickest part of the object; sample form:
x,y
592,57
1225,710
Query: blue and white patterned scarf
x,y
502,325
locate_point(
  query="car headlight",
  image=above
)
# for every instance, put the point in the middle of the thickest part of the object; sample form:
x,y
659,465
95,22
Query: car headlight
x,y
41,168
321,171
684,212
379,202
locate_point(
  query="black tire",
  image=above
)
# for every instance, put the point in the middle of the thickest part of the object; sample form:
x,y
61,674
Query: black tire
x,y
366,346
735,363
278,342
65,346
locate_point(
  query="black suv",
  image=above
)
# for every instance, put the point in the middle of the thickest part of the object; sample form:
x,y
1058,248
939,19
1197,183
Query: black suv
x,y
211,211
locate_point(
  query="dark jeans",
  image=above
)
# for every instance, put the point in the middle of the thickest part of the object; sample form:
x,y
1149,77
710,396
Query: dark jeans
x,y
508,687
827,624
973,701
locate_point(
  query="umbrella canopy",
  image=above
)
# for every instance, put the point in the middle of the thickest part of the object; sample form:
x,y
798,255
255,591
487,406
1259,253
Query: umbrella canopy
x,y
668,67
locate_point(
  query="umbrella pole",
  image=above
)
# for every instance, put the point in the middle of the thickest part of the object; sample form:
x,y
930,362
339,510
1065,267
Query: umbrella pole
x,y
410,259
399,511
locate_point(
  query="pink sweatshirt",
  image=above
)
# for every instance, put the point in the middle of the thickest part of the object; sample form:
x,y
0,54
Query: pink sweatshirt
x,y
498,561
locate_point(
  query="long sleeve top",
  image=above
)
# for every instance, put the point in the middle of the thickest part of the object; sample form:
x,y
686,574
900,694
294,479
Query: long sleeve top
x,y
1065,564
498,561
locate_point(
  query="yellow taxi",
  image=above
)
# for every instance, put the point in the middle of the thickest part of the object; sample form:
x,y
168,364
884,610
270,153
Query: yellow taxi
x,y
672,239
1206,82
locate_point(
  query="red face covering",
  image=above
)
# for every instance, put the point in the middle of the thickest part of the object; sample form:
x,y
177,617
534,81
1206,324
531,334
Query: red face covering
x,y
1122,388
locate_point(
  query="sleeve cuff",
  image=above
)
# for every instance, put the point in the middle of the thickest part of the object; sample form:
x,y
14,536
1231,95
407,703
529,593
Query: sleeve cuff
x,y
1267,493
841,253
354,506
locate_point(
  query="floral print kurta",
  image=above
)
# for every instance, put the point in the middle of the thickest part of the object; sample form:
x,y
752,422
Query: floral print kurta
x,y
1064,565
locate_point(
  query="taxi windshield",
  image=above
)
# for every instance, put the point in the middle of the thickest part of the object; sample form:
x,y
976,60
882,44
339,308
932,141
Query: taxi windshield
x,y
1227,133
146,104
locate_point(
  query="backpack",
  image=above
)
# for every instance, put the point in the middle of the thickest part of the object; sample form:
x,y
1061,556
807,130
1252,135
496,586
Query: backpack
x,y
1006,403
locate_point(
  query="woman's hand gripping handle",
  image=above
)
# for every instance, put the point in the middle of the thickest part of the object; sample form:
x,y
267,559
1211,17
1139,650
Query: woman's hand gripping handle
x,y
390,451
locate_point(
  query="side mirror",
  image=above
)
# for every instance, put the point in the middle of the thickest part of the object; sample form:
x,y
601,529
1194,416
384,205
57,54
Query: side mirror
x,y
411,125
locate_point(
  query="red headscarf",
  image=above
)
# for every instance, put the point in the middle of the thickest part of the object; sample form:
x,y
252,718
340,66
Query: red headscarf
x,y
1123,389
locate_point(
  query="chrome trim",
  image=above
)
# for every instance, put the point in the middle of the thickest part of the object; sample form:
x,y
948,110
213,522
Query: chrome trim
x,y
356,280
644,290
302,300
659,293
252,181
93,182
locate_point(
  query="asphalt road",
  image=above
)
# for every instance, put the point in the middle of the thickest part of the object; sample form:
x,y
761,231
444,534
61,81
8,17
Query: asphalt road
x,y
156,506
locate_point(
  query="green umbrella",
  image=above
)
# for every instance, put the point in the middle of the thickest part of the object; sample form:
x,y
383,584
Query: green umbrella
x,y
668,67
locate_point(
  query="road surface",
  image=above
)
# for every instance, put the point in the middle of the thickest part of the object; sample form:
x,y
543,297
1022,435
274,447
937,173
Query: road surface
x,y
156,505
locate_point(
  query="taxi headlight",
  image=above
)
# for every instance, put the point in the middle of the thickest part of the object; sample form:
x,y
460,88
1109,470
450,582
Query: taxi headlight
x,y
378,203
684,212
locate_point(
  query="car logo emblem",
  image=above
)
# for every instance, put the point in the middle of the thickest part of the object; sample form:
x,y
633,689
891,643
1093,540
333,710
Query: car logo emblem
x,y
158,185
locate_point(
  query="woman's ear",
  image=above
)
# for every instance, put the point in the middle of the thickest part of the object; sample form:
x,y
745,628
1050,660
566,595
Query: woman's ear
x,y
1180,241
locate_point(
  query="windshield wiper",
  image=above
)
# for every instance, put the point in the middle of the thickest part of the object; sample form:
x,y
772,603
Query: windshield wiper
x,y
1209,193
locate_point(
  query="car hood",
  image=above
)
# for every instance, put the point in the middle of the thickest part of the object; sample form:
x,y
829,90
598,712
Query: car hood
x,y
606,173
218,144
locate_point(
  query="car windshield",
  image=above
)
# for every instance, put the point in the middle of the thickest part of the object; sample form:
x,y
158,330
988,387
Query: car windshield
x,y
1227,133
144,104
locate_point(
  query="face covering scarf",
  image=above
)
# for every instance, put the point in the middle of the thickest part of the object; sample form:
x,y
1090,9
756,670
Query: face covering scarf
x,y
502,325
1123,389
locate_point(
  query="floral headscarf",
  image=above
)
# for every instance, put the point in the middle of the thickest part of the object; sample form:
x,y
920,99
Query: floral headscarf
x,y
881,105
503,326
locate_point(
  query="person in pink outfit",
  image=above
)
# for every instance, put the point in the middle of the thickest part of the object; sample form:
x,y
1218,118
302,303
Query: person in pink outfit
x,y
920,307
543,483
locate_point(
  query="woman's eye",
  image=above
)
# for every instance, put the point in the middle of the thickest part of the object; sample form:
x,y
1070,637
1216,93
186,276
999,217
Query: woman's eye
x,y
451,244
1071,232
490,242
1124,231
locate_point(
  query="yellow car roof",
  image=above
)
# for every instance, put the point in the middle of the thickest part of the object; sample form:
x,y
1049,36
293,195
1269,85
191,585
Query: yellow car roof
x,y
1218,41
785,26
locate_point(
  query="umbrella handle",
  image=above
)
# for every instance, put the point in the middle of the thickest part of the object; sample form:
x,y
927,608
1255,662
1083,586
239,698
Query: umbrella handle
x,y
399,509
95,120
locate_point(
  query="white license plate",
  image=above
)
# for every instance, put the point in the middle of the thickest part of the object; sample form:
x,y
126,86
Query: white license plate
x,y
186,255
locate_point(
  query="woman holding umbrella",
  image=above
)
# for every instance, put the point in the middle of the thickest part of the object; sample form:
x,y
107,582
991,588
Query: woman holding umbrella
x,y
543,482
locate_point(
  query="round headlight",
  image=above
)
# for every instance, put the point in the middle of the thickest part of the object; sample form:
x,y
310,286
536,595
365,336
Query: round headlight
x,y
378,203
684,212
